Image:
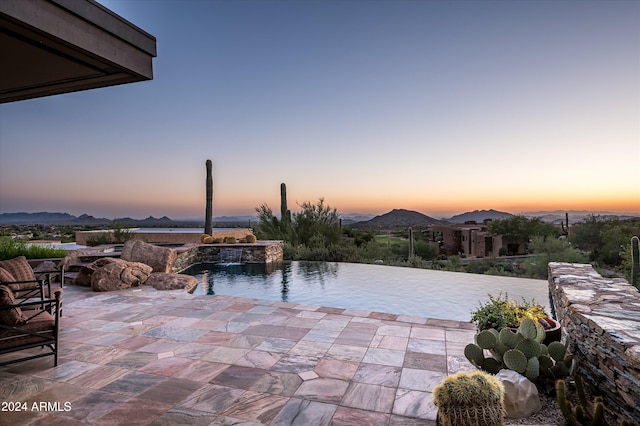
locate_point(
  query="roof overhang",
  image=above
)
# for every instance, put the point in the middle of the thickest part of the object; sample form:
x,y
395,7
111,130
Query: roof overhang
x,y
50,47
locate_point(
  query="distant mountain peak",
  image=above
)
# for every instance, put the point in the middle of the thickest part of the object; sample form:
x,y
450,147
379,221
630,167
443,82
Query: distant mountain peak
x,y
479,216
399,217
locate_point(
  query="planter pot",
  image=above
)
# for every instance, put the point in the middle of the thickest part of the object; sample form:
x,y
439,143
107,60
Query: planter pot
x,y
553,334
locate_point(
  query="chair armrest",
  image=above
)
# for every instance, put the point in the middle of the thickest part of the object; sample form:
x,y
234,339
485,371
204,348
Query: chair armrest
x,y
37,303
28,289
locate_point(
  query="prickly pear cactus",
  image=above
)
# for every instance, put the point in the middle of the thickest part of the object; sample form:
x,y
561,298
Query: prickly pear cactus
x,y
515,360
522,352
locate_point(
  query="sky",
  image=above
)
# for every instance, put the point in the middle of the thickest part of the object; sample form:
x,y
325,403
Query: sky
x,y
441,107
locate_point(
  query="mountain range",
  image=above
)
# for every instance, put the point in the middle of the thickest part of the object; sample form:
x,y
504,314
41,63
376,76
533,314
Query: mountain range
x,y
46,218
396,217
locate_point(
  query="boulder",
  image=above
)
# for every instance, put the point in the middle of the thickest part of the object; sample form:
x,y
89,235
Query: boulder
x,y
521,397
119,275
164,281
161,259
84,274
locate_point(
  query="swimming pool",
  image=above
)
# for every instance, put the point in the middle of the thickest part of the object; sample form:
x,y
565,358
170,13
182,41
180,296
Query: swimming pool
x,y
378,288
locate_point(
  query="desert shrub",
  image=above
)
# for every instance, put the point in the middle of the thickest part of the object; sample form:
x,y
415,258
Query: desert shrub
x,y
10,248
550,250
118,235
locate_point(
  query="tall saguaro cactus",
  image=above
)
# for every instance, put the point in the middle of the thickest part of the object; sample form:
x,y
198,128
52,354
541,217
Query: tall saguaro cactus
x,y
208,220
565,231
635,262
411,249
285,214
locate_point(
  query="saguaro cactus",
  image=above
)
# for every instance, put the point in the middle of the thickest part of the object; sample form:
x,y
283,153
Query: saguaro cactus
x,y
411,250
285,214
565,231
208,217
635,262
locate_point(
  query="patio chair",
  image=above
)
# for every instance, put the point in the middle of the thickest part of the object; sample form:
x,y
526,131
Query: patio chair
x,y
18,274
29,320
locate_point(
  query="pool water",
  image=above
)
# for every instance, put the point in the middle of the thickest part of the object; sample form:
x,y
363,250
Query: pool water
x,y
377,288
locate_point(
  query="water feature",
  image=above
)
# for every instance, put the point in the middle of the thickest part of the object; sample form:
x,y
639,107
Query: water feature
x,y
230,256
405,291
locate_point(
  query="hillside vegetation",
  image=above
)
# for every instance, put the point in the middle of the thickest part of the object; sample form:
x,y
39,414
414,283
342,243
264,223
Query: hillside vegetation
x,y
315,233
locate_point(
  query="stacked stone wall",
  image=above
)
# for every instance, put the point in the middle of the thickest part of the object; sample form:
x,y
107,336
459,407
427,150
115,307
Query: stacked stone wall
x,y
601,318
266,252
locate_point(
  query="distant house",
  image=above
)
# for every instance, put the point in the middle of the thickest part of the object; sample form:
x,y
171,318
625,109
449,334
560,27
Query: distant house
x,y
469,239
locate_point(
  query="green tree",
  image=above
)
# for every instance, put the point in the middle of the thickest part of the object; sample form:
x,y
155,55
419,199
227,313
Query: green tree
x,y
604,239
316,225
587,235
548,249
425,250
268,227
519,229
615,237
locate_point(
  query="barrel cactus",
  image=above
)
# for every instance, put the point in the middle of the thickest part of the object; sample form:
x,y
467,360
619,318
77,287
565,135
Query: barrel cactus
x,y
250,238
521,351
470,398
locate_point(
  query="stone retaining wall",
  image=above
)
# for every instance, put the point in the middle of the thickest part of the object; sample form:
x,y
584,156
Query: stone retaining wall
x,y
601,317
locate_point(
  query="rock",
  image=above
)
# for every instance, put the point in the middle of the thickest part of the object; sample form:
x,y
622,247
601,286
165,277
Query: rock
x,y
164,281
521,397
45,266
84,274
161,259
119,275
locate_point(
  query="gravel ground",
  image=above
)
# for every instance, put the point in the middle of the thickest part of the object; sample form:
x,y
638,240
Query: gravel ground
x,y
550,414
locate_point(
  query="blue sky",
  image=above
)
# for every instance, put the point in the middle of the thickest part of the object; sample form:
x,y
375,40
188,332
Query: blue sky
x,y
439,107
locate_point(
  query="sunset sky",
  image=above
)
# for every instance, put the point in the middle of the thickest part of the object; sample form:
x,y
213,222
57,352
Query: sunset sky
x,y
436,106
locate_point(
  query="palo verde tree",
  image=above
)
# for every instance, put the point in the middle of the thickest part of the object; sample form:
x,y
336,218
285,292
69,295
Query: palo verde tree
x,y
269,226
316,224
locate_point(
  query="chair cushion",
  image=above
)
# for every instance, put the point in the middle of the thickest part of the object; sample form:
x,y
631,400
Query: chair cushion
x,y
19,268
12,316
39,329
6,277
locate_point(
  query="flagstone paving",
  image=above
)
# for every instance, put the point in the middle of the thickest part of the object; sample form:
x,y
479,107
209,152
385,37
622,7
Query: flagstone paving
x,y
145,357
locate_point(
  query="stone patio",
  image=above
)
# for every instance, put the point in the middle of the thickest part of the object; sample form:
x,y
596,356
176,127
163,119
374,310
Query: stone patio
x,y
141,356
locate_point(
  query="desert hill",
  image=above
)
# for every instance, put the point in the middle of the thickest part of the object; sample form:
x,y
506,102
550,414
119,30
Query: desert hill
x,y
398,217
479,216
